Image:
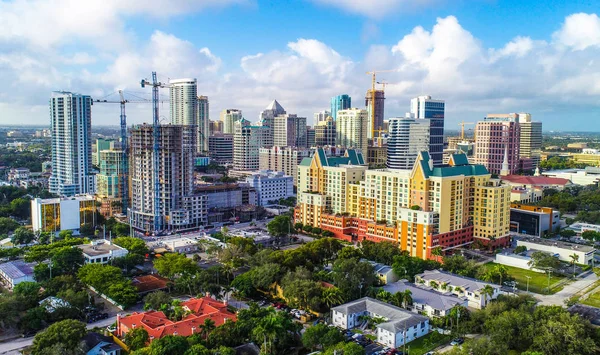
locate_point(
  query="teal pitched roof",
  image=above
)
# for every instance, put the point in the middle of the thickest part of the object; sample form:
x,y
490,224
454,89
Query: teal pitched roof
x,y
306,162
461,167
460,159
352,157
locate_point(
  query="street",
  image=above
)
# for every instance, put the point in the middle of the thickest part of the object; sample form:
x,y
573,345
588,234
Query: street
x,y
569,290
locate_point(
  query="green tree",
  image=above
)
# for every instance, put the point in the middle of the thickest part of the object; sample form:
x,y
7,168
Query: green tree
x,y
544,261
123,292
175,264
34,319
487,292
353,277
132,244
66,260
198,349
512,328
574,259
520,249
332,296
21,207
7,225
99,276
321,336
65,234
207,327
280,227
156,299
68,333
169,345
137,338
22,235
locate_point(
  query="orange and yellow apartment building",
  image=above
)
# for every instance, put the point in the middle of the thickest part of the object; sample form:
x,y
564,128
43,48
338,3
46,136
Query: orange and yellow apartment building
x,y
420,209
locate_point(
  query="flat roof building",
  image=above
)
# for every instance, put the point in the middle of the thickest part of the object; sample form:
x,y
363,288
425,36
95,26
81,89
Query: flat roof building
x,y
14,272
563,250
101,252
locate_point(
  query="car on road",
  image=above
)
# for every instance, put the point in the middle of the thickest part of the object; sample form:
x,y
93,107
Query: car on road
x,y
457,341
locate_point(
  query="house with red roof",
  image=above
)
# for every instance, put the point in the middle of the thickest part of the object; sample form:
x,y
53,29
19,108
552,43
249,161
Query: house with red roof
x,y
535,181
158,325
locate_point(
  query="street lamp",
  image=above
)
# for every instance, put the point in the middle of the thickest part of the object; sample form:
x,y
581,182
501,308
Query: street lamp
x,y
528,277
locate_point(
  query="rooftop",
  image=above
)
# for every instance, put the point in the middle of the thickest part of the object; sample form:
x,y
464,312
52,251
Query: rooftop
x,y
425,295
466,283
92,339
535,180
99,248
556,243
398,318
149,283
17,269
459,165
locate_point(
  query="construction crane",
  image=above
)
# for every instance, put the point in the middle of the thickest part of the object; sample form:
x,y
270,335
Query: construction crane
x,y
372,91
156,137
124,147
462,131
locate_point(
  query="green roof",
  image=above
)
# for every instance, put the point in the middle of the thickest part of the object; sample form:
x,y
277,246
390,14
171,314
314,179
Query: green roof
x,y
462,167
353,157
306,162
460,159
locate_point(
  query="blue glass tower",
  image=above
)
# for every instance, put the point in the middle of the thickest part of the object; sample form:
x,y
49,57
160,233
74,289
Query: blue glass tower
x,y
340,102
425,107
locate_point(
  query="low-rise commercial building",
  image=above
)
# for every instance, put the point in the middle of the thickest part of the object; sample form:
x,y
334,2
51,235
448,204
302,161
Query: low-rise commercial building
x,y
399,327
471,289
66,213
101,251
582,227
271,186
13,273
533,220
426,300
562,250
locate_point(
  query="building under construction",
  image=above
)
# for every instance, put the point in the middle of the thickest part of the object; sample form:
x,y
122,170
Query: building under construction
x,y
379,112
179,208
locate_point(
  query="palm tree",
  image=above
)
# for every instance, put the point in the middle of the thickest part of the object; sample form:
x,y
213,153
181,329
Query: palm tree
x,y
406,298
487,290
574,259
332,297
433,284
207,327
268,328
437,252
444,285
397,299
384,296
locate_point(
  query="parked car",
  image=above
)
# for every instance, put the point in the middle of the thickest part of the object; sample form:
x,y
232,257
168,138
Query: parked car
x,y
457,341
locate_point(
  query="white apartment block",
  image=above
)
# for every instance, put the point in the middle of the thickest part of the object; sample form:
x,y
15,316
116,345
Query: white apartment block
x,y
467,287
271,186
285,159
352,127
71,126
289,131
247,141
229,117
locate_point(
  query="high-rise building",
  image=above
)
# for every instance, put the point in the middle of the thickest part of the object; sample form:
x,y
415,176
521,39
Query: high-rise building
x,y
321,116
310,136
229,117
109,182
496,136
71,126
203,124
325,133
419,209
267,117
289,130
424,107
179,208
407,138
220,147
247,141
530,145
340,102
184,102
285,159
100,145
215,127
352,126
374,127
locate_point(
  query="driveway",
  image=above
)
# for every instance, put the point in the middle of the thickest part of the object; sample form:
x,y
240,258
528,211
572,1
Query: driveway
x,y
569,290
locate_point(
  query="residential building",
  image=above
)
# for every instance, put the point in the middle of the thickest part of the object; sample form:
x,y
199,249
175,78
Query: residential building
x,y
419,209
99,145
183,102
177,207
497,136
310,136
109,182
325,133
203,125
158,325
321,116
150,283
398,328
17,174
229,117
563,250
267,117
247,141
284,159
324,184
183,245
526,195
424,107
471,289
384,273
215,127
57,214
271,186
407,138
352,126
533,220
101,251
426,300
377,156
99,344
375,120
14,272
339,102
71,126
220,147
289,130
530,144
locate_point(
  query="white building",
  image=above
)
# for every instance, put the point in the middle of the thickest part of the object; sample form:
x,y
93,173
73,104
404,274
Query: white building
x,y
203,124
101,252
563,250
267,117
352,128
181,245
247,141
461,286
285,159
229,117
407,138
189,109
66,213
14,272
582,227
400,326
321,116
71,125
432,110
588,176
271,186
289,131
425,299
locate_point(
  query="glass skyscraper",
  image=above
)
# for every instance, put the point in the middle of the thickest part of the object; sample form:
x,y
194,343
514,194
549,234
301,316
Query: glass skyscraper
x,y
425,107
340,102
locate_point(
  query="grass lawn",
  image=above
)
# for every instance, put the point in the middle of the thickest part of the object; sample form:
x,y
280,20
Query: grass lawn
x,y
593,300
538,281
427,343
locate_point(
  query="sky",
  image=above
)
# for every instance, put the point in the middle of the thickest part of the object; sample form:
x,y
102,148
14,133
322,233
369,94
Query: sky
x,y
481,56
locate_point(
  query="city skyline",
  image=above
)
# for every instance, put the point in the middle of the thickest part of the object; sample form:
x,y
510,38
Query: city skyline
x,y
546,69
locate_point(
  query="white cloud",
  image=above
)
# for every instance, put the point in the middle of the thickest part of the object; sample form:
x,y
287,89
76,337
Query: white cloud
x,y
579,31
518,47
375,9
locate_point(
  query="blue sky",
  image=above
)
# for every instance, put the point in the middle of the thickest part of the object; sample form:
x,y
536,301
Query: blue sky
x,y
480,56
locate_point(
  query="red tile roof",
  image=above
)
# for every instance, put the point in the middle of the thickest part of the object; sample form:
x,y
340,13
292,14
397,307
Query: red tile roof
x,y
158,325
535,180
148,283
